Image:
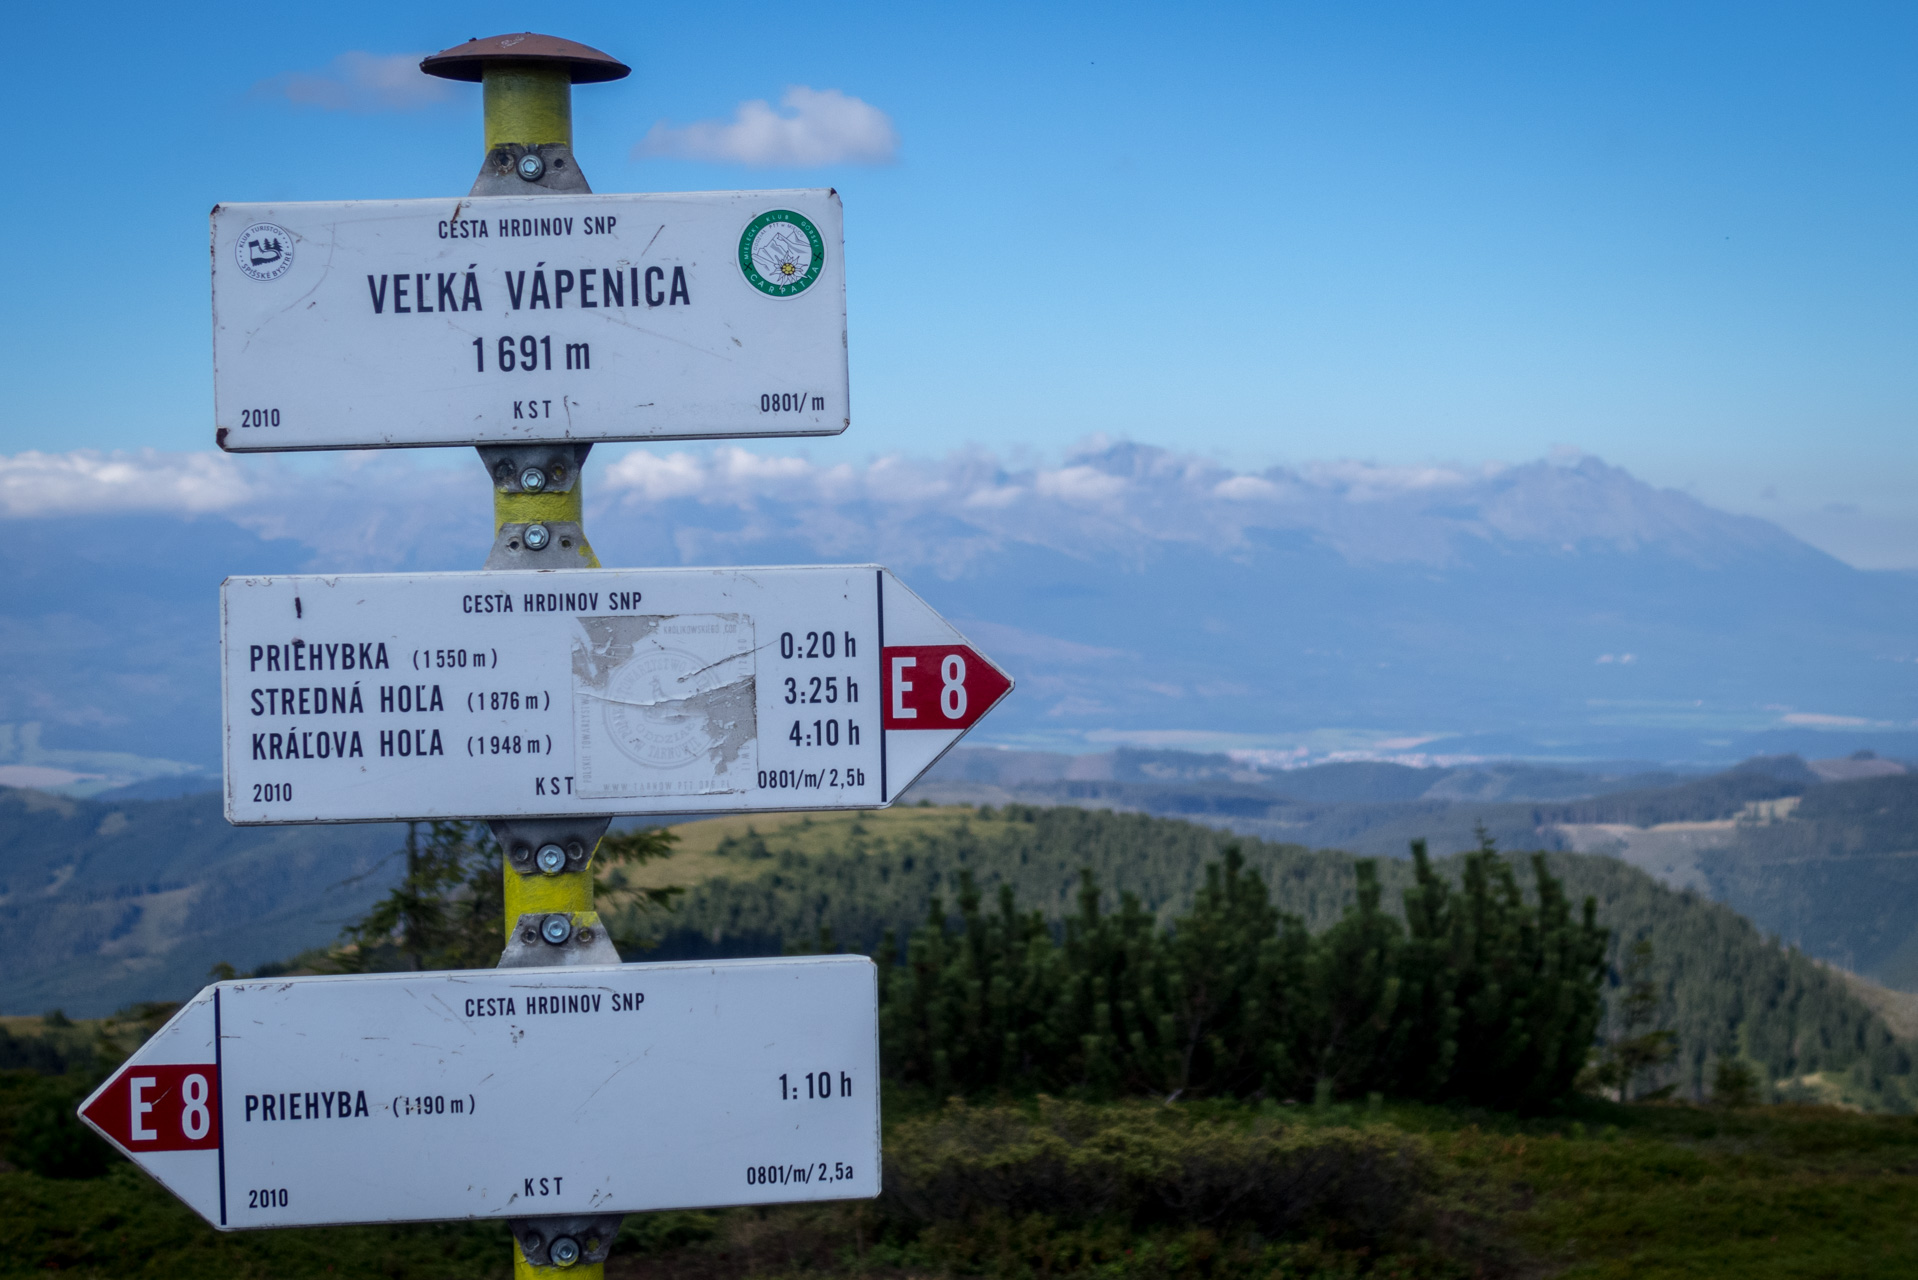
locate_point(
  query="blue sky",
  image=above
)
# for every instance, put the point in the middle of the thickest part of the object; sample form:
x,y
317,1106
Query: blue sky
x,y
1676,236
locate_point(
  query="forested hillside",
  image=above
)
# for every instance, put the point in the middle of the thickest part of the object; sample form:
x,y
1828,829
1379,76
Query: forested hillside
x,y
845,882
103,905
1823,854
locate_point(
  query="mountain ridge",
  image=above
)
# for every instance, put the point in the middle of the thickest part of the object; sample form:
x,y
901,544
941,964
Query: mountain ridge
x,y
1552,610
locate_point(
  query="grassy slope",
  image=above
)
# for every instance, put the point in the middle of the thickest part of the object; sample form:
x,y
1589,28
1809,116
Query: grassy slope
x,y
1642,1191
1647,1192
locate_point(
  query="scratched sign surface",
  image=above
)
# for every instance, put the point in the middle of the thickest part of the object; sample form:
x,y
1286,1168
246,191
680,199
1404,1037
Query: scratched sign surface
x,y
362,324
501,1093
378,697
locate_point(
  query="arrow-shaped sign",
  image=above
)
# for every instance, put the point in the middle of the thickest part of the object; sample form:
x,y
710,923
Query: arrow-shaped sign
x,y
605,691
506,1093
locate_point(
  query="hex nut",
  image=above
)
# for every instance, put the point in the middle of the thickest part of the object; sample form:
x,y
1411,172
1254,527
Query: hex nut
x,y
564,1251
531,166
556,928
532,479
536,536
552,859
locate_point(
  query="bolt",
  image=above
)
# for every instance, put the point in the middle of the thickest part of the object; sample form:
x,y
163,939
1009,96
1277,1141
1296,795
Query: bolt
x,y
552,859
536,536
521,853
575,851
531,166
564,1251
533,1241
503,472
532,479
557,929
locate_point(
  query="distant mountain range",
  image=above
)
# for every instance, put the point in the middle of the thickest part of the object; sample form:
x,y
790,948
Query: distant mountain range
x,y
1557,610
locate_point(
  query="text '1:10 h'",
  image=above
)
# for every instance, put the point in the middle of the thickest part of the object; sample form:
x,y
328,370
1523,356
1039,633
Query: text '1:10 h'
x,y
819,1087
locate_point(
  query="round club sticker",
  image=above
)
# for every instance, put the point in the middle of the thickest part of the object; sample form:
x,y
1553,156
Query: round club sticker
x,y
780,253
265,251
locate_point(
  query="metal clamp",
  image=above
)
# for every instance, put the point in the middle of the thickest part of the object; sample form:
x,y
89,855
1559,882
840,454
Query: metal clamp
x,y
529,846
506,171
535,467
566,1242
544,544
549,939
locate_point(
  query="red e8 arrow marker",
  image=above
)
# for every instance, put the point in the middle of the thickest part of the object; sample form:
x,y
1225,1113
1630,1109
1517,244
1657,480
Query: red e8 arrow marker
x,y
172,1107
938,686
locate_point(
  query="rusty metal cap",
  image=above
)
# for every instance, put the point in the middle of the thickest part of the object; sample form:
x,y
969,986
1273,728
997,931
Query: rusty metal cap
x,y
466,61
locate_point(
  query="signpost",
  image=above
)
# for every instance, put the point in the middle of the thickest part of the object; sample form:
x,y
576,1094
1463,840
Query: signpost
x,y
497,1093
605,691
544,695
495,319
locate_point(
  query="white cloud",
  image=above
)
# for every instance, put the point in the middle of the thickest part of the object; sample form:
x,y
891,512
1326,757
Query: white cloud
x,y
1819,720
1079,485
1365,481
656,478
1246,489
365,82
727,503
41,484
818,127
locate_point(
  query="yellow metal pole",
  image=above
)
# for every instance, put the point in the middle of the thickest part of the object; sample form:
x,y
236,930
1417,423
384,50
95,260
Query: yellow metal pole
x,y
528,103
531,104
546,508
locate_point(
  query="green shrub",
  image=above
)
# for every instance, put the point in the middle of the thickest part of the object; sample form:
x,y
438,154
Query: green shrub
x,y
43,1135
1142,1166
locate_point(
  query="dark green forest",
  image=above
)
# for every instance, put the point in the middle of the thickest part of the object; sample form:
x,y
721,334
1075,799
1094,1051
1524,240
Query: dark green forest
x,y
1476,996
1724,989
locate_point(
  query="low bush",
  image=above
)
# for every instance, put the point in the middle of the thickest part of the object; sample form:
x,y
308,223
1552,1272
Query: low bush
x,y
1144,1165
40,1132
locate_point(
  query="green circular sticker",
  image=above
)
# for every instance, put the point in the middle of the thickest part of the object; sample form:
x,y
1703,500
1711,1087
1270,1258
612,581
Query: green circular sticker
x,y
780,253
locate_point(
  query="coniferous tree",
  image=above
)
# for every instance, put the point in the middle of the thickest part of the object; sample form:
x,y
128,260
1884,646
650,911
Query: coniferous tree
x,y
1355,1022
1641,1045
1430,962
1111,997
1233,973
448,910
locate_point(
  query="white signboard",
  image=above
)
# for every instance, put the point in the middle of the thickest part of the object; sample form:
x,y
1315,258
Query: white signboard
x,y
382,697
506,1093
369,323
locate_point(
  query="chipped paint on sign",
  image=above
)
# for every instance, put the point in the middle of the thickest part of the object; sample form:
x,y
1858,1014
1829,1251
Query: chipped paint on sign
x,y
504,694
